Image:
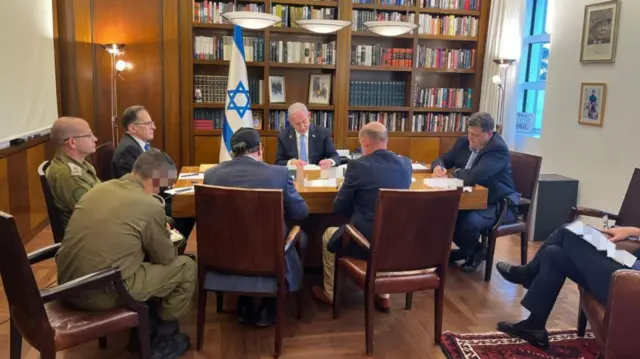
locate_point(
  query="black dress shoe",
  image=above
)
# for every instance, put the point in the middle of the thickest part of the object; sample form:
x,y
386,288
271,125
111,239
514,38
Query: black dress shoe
x,y
245,313
536,337
264,317
456,255
473,262
513,275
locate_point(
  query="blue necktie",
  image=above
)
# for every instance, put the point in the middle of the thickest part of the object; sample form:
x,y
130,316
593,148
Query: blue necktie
x,y
303,149
146,147
472,158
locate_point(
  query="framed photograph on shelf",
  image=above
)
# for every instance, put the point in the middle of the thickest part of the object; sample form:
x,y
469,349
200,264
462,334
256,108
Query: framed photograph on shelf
x,y
319,89
600,32
593,98
276,89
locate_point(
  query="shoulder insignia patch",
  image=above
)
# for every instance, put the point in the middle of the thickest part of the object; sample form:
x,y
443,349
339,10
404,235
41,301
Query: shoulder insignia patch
x,y
75,169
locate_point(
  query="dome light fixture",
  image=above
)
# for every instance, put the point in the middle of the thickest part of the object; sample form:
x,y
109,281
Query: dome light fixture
x,y
323,26
390,28
251,20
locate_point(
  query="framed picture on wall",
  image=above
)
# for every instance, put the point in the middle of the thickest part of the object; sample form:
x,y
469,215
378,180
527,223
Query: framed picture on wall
x,y
276,89
593,98
319,89
600,32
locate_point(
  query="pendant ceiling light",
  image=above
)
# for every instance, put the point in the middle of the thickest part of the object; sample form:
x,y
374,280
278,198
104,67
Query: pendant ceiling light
x,y
249,19
390,27
323,26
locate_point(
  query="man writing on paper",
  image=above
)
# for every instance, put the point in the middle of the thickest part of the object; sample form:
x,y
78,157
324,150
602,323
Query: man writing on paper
x,y
304,143
563,255
119,223
358,198
69,174
247,170
480,158
137,140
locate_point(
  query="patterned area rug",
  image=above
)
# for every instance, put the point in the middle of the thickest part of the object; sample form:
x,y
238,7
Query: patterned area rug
x,y
563,344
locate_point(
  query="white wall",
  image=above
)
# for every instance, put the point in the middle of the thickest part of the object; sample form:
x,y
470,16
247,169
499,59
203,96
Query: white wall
x,y
601,158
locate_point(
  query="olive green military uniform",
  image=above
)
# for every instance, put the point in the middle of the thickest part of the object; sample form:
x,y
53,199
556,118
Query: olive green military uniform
x,y
117,225
69,180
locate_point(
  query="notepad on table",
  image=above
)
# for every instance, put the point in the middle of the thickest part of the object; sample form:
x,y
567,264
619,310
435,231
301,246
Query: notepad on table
x,y
327,182
179,190
418,166
191,176
444,182
333,172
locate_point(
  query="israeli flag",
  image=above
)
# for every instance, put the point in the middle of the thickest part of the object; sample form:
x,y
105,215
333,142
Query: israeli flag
x,y
237,105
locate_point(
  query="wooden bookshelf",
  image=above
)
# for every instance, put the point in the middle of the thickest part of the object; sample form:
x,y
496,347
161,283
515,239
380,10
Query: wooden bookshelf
x,y
201,146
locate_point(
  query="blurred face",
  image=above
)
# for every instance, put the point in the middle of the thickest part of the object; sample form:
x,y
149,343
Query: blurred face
x,y
366,145
83,140
477,138
300,121
143,127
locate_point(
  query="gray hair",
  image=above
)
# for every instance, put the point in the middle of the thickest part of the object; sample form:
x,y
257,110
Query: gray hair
x,y
296,107
130,115
242,148
153,164
482,120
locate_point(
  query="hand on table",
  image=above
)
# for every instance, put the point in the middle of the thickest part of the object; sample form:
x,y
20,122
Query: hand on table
x,y
438,171
620,233
325,164
298,163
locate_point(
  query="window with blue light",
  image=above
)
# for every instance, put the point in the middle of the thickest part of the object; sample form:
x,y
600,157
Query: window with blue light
x,y
534,68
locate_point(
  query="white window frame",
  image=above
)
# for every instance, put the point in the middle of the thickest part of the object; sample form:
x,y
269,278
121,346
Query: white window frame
x,y
527,41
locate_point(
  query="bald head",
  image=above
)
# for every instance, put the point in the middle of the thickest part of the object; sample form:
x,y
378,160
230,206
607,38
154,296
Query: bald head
x,y
73,135
373,136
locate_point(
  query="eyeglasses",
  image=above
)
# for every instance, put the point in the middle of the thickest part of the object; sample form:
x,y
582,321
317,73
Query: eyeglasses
x,y
90,134
148,123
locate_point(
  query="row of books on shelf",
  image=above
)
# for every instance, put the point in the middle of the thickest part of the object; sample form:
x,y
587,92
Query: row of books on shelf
x,y
433,4
289,14
208,12
377,55
213,89
278,119
359,17
436,122
460,59
204,119
221,47
442,97
473,5
377,93
448,25
393,121
293,52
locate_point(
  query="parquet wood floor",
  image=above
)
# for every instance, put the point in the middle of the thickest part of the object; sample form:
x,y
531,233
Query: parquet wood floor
x,y
471,305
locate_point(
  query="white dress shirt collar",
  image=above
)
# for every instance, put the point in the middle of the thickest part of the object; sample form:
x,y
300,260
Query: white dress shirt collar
x,y
139,141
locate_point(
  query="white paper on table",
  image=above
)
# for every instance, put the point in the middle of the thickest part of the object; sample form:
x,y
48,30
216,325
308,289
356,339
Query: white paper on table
x,y
413,179
328,182
333,172
418,166
444,182
180,190
344,153
191,176
306,167
467,189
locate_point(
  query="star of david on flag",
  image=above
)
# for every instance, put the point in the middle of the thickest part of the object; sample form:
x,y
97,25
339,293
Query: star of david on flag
x,y
237,107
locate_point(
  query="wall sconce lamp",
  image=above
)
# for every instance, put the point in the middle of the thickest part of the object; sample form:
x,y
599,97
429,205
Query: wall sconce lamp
x,y
499,80
117,67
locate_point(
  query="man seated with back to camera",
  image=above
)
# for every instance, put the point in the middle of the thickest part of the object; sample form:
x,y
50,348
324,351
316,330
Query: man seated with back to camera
x,y
480,158
118,224
358,199
247,170
563,255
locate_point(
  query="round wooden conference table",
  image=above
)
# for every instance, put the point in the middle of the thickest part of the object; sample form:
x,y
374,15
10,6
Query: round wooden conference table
x,y
320,202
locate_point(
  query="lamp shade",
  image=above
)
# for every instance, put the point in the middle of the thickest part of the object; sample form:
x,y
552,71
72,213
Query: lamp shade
x,y
251,20
322,26
389,28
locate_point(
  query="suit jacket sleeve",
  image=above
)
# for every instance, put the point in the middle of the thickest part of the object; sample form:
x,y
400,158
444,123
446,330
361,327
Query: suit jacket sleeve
x,y
281,153
486,166
447,160
126,160
156,239
295,207
343,204
330,150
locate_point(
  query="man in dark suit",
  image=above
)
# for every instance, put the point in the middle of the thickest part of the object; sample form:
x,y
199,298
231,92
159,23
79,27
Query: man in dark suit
x,y
247,170
358,198
137,139
563,255
304,143
480,158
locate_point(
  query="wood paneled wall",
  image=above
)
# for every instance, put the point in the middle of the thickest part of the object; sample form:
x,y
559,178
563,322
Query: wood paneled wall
x,y
149,29
20,190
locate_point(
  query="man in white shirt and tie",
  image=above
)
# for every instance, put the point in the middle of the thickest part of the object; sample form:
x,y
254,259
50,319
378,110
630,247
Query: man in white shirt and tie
x,y
303,143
